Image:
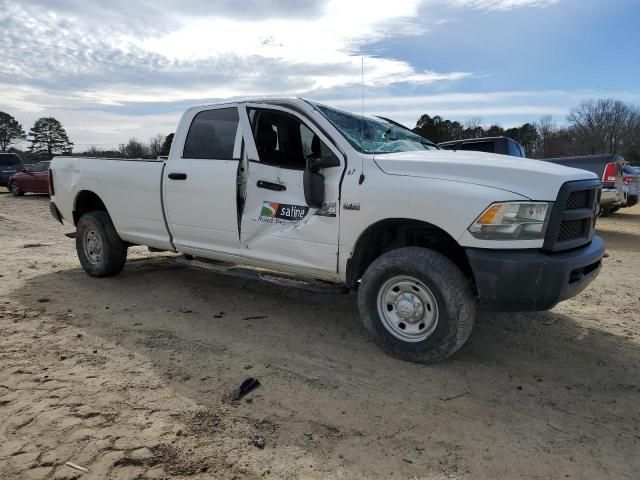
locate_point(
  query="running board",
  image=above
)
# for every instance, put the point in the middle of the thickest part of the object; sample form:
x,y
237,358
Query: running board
x,y
247,273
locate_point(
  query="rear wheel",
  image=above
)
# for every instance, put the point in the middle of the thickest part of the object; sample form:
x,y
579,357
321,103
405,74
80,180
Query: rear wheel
x,y
417,304
101,251
14,188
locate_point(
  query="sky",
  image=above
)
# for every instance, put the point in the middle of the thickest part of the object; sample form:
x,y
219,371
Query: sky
x,y
124,68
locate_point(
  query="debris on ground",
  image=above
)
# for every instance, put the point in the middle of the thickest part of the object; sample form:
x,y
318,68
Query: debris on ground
x,y
244,388
257,441
76,466
34,245
256,317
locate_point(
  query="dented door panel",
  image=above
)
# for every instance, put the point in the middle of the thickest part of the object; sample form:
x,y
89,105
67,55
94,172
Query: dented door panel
x,y
277,225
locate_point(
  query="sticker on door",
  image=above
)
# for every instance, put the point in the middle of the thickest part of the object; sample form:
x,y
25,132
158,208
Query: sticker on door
x,y
273,212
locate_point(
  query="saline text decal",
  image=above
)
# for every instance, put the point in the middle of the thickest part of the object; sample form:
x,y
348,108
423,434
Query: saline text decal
x,y
273,212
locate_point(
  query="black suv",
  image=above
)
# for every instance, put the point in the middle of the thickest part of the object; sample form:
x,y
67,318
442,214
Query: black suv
x,y
501,145
10,164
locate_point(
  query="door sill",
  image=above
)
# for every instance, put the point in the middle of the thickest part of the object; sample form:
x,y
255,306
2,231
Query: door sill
x,y
264,275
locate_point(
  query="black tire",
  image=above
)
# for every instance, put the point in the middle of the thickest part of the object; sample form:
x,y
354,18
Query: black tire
x,y
614,210
112,254
14,188
455,303
604,211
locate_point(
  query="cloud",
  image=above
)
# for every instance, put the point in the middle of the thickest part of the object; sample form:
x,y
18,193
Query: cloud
x,y
147,12
501,4
74,49
79,57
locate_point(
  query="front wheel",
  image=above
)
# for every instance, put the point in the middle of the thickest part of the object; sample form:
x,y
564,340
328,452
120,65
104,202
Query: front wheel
x,y
101,251
417,304
14,188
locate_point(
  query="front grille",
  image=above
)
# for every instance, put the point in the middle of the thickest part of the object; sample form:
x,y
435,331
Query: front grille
x,y
579,199
571,223
570,229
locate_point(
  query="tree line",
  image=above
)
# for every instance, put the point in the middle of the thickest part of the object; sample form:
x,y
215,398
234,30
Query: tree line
x,y
47,137
592,127
603,126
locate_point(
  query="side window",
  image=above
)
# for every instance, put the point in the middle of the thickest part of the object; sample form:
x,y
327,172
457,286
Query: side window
x,y
212,135
284,141
39,167
487,147
515,149
312,146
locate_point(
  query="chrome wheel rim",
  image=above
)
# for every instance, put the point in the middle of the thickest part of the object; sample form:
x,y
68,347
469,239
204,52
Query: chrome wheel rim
x,y
92,244
407,308
14,188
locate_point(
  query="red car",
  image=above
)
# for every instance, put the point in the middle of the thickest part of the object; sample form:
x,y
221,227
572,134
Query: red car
x,y
33,179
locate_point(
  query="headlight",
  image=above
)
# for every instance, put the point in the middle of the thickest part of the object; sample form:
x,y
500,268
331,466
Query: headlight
x,y
512,221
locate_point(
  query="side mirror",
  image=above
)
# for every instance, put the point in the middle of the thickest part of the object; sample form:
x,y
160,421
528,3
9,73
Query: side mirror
x,y
24,170
313,188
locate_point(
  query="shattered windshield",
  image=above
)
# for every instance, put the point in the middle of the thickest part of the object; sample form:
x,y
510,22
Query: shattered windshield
x,y
374,136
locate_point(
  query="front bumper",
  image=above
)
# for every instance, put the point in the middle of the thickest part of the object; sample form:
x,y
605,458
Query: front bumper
x,y
531,280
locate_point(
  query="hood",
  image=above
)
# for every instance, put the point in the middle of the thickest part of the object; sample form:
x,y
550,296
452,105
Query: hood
x,y
533,179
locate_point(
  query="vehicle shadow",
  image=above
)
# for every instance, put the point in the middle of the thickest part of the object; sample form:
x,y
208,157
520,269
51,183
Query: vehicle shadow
x,y
620,240
194,325
28,196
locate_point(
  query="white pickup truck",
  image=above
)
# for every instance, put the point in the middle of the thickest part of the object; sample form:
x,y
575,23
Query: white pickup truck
x,y
302,194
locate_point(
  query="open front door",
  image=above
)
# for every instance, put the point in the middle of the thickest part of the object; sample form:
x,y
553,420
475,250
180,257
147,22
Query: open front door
x,y
277,225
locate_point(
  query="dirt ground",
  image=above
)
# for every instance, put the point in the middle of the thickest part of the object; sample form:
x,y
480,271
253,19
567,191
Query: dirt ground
x,y
130,376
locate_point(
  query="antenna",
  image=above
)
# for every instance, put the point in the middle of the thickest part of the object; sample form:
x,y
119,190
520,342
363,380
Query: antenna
x,y
361,179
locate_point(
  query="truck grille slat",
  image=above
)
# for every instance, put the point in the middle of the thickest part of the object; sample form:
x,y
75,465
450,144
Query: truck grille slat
x,y
570,229
579,199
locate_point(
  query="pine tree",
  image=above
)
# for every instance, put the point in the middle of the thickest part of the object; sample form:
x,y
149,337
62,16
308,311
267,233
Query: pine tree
x,y
10,131
49,138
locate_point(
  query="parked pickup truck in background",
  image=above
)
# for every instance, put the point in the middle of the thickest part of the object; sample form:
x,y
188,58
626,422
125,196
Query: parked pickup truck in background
x,y
299,193
607,167
500,145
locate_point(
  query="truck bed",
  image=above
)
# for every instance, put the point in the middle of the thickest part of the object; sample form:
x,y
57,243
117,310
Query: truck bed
x,y
131,189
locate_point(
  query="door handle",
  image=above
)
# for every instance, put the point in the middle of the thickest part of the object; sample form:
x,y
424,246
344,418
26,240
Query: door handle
x,y
177,176
277,187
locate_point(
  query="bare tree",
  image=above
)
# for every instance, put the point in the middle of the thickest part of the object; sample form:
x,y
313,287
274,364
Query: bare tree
x,y
473,128
155,145
135,149
546,132
601,125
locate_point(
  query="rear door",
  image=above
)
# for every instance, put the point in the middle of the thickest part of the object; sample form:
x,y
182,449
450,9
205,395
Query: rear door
x,y
200,182
278,227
